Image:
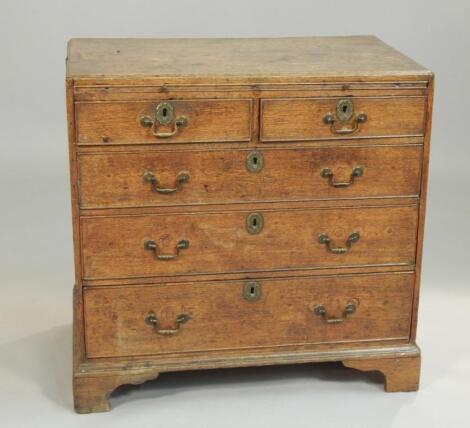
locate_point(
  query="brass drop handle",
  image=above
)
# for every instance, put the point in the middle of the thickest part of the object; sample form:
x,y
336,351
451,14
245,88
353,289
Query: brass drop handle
x,y
329,119
181,179
323,238
164,114
349,309
356,172
152,246
344,113
148,122
152,320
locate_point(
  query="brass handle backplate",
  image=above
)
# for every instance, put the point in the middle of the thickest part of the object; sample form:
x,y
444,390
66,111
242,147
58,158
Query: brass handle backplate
x,y
181,179
349,309
153,246
164,114
344,113
152,320
356,172
323,238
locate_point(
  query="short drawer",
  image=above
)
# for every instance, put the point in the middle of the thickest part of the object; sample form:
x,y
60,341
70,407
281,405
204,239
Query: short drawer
x,y
179,121
132,321
243,241
300,119
114,180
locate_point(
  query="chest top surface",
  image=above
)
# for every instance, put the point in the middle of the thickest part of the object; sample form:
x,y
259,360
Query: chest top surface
x,y
239,60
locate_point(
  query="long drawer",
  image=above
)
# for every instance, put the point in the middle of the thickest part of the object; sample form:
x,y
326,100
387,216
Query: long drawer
x,y
113,180
244,241
335,118
180,121
130,321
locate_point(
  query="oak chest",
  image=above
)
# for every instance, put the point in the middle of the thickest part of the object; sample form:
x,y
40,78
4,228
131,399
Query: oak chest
x,y
242,202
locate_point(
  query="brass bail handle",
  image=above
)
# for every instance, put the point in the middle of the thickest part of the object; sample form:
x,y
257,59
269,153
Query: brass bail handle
x,y
153,246
323,238
152,320
181,179
357,171
344,113
349,309
164,116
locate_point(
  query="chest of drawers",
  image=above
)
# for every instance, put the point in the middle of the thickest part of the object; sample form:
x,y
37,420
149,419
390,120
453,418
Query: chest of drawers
x,y
243,203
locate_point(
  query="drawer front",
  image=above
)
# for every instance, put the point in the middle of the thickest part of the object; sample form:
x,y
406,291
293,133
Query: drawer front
x,y
190,121
306,118
213,243
131,321
114,180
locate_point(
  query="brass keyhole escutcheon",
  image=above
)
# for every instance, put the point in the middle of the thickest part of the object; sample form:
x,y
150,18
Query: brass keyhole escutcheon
x,y
164,113
164,116
252,290
254,161
254,223
344,110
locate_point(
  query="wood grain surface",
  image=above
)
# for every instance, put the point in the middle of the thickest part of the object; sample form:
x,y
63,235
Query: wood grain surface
x,y
221,318
302,119
113,180
234,59
207,121
113,247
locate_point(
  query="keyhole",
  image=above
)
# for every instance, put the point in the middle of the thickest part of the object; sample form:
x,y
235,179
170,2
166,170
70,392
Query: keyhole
x,y
254,223
164,112
252,290
254,162
345,108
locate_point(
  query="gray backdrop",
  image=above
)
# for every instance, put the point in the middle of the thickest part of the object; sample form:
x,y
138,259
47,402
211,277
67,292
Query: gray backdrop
x,y
36,270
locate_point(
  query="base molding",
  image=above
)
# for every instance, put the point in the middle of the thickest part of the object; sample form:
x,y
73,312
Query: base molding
x,y
94,381
241,358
